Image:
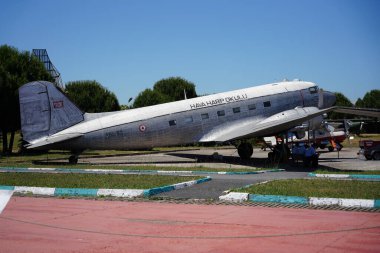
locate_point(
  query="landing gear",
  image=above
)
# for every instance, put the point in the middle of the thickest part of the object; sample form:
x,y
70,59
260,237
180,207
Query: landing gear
x,y
279,153
331,148
73,159
245,150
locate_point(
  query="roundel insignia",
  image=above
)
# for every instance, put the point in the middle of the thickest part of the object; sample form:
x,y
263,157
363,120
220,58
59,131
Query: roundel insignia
x,y
142,128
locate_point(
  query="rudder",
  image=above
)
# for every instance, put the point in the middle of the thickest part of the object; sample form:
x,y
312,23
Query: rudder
x,y
45,110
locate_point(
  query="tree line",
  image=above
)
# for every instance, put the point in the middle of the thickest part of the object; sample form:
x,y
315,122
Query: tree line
x,y
20,67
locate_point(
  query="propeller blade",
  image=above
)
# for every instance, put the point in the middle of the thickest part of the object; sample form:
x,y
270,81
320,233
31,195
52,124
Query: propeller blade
x,y
320,99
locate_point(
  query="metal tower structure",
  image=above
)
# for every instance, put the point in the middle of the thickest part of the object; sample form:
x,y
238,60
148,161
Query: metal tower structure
x,y
43,56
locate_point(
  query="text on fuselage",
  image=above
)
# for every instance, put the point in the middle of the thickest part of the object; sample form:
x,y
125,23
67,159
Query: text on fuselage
x,y
213,102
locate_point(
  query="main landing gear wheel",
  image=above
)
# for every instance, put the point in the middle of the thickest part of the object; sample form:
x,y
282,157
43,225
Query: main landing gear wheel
x,y
245,151
73,159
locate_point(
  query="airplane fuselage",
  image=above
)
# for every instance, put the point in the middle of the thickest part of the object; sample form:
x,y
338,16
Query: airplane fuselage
x,y
186,121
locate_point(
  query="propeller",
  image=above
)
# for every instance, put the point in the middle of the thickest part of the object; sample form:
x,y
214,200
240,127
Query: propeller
x,y
327,126
347,125
320,99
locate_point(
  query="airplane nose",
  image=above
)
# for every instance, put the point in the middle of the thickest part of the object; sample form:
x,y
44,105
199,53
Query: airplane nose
x,y
329,99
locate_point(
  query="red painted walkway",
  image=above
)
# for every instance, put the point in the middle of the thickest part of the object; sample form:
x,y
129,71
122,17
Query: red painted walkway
x,y
74,225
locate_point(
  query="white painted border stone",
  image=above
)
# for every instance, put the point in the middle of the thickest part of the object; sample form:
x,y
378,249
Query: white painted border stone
x,y
370,203
128,193
103,170
35,190
333,175
43,169
174,172
323,201
235,197
184,184
366,203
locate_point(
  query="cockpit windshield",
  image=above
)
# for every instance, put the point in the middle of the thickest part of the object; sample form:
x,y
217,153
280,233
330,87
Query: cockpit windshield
x,y
313,89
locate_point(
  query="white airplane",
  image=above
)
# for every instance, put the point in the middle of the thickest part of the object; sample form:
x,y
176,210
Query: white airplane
x,y
49,120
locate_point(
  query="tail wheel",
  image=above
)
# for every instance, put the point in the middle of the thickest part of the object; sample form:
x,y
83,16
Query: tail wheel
x,y
245,151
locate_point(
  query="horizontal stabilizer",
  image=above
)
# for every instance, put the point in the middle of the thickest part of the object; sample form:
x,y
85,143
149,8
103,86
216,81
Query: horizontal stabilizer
x,y
53,139
369,112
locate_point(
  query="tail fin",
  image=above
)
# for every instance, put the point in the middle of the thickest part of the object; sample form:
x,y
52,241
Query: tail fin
x,y
45,110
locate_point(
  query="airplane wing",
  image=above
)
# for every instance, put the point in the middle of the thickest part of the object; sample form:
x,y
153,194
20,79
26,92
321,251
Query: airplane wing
x,y
53,139
254,127
277,123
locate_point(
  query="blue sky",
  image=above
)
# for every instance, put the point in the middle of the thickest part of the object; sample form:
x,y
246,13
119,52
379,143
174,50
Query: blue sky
x,y
219,45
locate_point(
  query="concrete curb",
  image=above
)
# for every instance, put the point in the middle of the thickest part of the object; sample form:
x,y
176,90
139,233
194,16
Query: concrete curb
x,y
340,176
127,171
235,197
125,193
162,189
241,197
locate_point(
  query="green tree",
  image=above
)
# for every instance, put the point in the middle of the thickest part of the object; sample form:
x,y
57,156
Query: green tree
x,y
175,88
16,69
124,107
166,90
370,100
341,100
91,96
150,97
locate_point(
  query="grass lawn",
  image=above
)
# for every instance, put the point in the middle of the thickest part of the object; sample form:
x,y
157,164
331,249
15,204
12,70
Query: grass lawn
x,y
90,180
318,188
355,142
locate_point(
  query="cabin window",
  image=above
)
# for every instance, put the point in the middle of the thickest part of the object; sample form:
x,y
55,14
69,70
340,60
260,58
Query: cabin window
x,y
221,113
267,104
172,122
236,109
188,119
313,89
252,107
204,116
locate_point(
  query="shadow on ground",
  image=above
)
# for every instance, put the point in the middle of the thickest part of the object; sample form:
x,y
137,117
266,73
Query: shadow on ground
x,y
197,159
